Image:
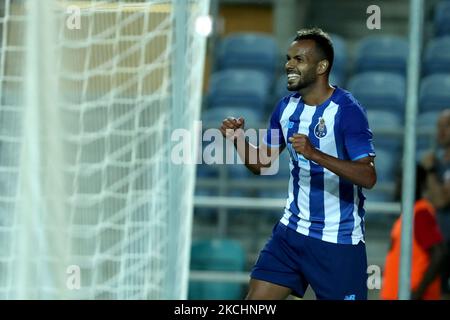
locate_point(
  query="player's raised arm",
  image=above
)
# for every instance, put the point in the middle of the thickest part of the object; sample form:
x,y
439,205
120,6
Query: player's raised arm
x,y
255,158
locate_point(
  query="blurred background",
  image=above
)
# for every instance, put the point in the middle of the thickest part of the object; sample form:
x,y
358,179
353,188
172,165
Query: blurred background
x,y
92,205
244,76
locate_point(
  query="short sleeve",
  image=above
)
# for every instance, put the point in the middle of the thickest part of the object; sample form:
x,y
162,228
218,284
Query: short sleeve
x,y
426,229
358,139
274,136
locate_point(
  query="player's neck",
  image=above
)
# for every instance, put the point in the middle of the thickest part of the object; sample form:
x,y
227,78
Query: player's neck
x,y
316,94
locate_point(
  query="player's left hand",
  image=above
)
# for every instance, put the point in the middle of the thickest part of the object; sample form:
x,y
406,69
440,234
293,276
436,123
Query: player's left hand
x,y
302,145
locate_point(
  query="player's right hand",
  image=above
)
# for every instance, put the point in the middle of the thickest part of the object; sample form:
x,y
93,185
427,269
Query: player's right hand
x,y
232,128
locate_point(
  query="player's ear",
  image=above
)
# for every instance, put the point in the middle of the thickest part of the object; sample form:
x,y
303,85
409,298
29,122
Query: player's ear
x,y
322,66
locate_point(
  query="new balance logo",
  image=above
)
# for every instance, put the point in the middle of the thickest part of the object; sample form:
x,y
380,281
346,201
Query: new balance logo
x,y
350,297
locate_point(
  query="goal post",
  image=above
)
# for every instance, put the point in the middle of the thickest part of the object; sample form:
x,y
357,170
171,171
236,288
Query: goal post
x,y
92,207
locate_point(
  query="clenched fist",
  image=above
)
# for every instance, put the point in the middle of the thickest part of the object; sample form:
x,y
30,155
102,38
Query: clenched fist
x,y
302,145
232,128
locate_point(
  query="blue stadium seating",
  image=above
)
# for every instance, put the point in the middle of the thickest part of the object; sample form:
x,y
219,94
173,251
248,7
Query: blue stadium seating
x,y
216,255
382,53
236,87
379,90
435,93
426,122
238,171
214,116
385,120
387,164
276,214
253,120
339,69
378,196
243,50
428,119
280,89
442,18
207,171
437,56
205,213
337,78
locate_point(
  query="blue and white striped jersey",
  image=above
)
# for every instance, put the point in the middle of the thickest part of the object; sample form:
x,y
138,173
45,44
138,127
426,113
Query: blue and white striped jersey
x,y
321,204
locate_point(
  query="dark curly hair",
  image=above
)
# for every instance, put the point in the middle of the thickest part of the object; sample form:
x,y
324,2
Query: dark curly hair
x,y
323,43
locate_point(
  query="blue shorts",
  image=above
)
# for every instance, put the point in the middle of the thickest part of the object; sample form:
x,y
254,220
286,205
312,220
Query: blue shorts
x,y
334,271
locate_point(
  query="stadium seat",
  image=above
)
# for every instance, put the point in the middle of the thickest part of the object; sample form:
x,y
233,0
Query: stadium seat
x,y
442,18
428,119
339,69
379,90
337,78
435,93
387,164
206,214
276,214
378,196
216,255
426,126
383,120
238,172
256,51
207,171
375,218
281,88
238,88
437,56
213,117
382,53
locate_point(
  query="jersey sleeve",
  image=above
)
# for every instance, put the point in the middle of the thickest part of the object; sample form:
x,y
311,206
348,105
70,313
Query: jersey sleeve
x,y
358,139
426,229
274,136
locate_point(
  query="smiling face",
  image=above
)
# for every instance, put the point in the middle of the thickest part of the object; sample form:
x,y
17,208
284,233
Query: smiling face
x,y
303,65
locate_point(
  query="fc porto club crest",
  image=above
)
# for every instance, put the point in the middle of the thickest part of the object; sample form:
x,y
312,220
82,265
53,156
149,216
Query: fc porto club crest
x,y
320,130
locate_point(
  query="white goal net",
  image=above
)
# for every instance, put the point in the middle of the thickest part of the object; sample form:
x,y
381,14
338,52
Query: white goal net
x,y
91,205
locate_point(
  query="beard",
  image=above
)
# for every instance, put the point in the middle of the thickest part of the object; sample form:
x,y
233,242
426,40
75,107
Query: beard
x,y
301,83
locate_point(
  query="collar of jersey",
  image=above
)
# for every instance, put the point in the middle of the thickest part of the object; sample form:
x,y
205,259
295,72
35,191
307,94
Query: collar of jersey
x,y
326,102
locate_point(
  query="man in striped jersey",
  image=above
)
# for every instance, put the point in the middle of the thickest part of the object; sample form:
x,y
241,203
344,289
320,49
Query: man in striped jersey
x,y
320,239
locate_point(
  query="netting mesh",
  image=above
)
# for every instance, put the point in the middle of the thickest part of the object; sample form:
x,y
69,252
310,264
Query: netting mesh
x,y
86,177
